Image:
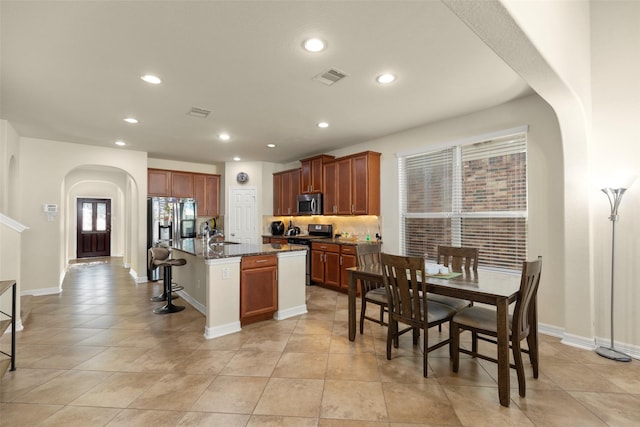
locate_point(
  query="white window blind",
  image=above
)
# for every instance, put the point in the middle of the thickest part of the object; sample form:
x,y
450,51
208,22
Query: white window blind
x,y
472,194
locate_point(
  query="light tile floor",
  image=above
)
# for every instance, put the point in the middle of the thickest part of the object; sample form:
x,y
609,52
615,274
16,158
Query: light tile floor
x,y
96,355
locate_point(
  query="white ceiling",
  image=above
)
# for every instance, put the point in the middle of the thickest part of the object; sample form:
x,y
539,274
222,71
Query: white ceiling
x,y
70,72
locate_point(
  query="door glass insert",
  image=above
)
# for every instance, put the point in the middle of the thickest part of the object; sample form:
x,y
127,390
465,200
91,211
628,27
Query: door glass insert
x,y
101,216
87,216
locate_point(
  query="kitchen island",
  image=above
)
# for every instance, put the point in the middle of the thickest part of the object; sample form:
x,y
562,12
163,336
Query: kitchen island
x,y
212,280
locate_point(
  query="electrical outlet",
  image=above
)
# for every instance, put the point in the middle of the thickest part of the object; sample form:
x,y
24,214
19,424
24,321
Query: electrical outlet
x,y
225,273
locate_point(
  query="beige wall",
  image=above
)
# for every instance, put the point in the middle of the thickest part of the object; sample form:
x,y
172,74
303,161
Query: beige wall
x,y
545,171
615,67
45,168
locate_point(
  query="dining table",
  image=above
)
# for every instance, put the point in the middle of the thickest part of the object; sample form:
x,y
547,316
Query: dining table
x,y
495,288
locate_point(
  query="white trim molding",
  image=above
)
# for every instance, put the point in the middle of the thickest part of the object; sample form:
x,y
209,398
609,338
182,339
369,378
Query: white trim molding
x,y
12,223
219,331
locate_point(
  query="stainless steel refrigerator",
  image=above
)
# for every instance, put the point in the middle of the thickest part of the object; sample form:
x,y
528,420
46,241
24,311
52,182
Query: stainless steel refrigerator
x,y
169,218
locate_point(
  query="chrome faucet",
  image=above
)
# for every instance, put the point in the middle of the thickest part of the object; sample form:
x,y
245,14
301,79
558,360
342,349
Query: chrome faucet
x,y
216,236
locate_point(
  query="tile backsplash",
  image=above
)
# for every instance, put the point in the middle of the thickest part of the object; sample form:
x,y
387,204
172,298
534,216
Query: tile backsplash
x,y
356,226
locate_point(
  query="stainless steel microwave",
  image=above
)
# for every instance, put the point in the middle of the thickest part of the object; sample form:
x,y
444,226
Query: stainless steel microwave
x,y
310,204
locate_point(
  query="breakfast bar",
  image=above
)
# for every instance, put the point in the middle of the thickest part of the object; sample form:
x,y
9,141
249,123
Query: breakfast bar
x,y
217,284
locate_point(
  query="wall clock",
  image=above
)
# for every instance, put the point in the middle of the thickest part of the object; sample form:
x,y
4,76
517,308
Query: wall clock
x,y
242,177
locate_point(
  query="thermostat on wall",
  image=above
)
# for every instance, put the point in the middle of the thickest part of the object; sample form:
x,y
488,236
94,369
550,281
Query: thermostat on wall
x,y
50,209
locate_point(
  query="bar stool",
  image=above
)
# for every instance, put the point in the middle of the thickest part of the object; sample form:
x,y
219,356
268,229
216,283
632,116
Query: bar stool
x,y
167,264
161,253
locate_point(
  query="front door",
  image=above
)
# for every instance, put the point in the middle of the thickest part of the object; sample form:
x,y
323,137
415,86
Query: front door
x,y
94,228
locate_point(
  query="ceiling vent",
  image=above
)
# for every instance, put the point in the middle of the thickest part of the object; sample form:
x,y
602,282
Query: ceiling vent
x,y
330,76
199,112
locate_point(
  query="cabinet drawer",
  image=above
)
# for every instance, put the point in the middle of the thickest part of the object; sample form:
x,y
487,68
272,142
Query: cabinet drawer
x,y
348,249
258,261
327,247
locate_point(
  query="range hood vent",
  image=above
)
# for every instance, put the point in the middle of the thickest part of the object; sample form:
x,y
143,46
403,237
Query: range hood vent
x,y
201,113
330,76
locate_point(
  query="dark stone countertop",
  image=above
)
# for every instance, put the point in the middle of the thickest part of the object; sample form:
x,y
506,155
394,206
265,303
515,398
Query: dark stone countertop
x,y
199,248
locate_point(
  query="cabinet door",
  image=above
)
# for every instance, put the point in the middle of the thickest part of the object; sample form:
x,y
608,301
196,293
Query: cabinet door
x,y
317,266
347,259
199,194
316,174
277,194
295,190
329,205
285,202
181,184
212,195
305,177
158,182
365,186
343,185
332,269
258,294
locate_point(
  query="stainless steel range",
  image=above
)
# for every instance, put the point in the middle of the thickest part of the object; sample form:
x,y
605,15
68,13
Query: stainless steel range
x,y
315,231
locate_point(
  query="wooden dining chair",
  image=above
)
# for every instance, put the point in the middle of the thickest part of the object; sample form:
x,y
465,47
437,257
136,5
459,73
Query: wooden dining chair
x,y
482,322
458,259
371,291
408,303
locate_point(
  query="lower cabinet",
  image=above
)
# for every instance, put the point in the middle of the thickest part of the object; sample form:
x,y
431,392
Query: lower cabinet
x,y
258,288
325,264
348,258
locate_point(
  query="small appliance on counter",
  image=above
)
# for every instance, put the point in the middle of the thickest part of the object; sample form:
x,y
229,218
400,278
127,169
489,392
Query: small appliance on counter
x,y
277,228
292,230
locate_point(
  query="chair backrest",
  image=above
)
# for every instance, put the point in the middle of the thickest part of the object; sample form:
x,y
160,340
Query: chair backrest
x,y
529,282
157,253
458,259
368,254
402,276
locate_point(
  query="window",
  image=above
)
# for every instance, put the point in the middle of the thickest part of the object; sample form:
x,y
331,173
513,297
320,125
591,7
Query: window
x,y
471,194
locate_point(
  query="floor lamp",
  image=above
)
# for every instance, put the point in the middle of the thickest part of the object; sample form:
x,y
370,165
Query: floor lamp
x,y
615,196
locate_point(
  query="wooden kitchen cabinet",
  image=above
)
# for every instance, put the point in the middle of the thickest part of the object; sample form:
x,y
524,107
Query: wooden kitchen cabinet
x,y
182,184
325,264
286,187
158,182
206,190
352,185
348,258
311,173
258,288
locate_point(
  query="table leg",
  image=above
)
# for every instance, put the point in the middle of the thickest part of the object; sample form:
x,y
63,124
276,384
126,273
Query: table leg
x,y
503,351
352,305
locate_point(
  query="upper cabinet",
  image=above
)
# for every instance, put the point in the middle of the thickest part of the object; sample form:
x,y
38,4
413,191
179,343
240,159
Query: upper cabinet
x,y
205,188
181,184
207,194
352,185
286,187
159,182
311,173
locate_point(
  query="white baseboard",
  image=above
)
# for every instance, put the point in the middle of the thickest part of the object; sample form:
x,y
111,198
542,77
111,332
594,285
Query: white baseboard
x,y
587,343
290,312
195,304
41,291
19,327
219,331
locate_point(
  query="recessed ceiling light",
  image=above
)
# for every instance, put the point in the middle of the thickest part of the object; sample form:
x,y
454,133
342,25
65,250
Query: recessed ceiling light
x,y
131,120
224,136
271,145
236,158
385,78
314,45
323,125
154,80
120,143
